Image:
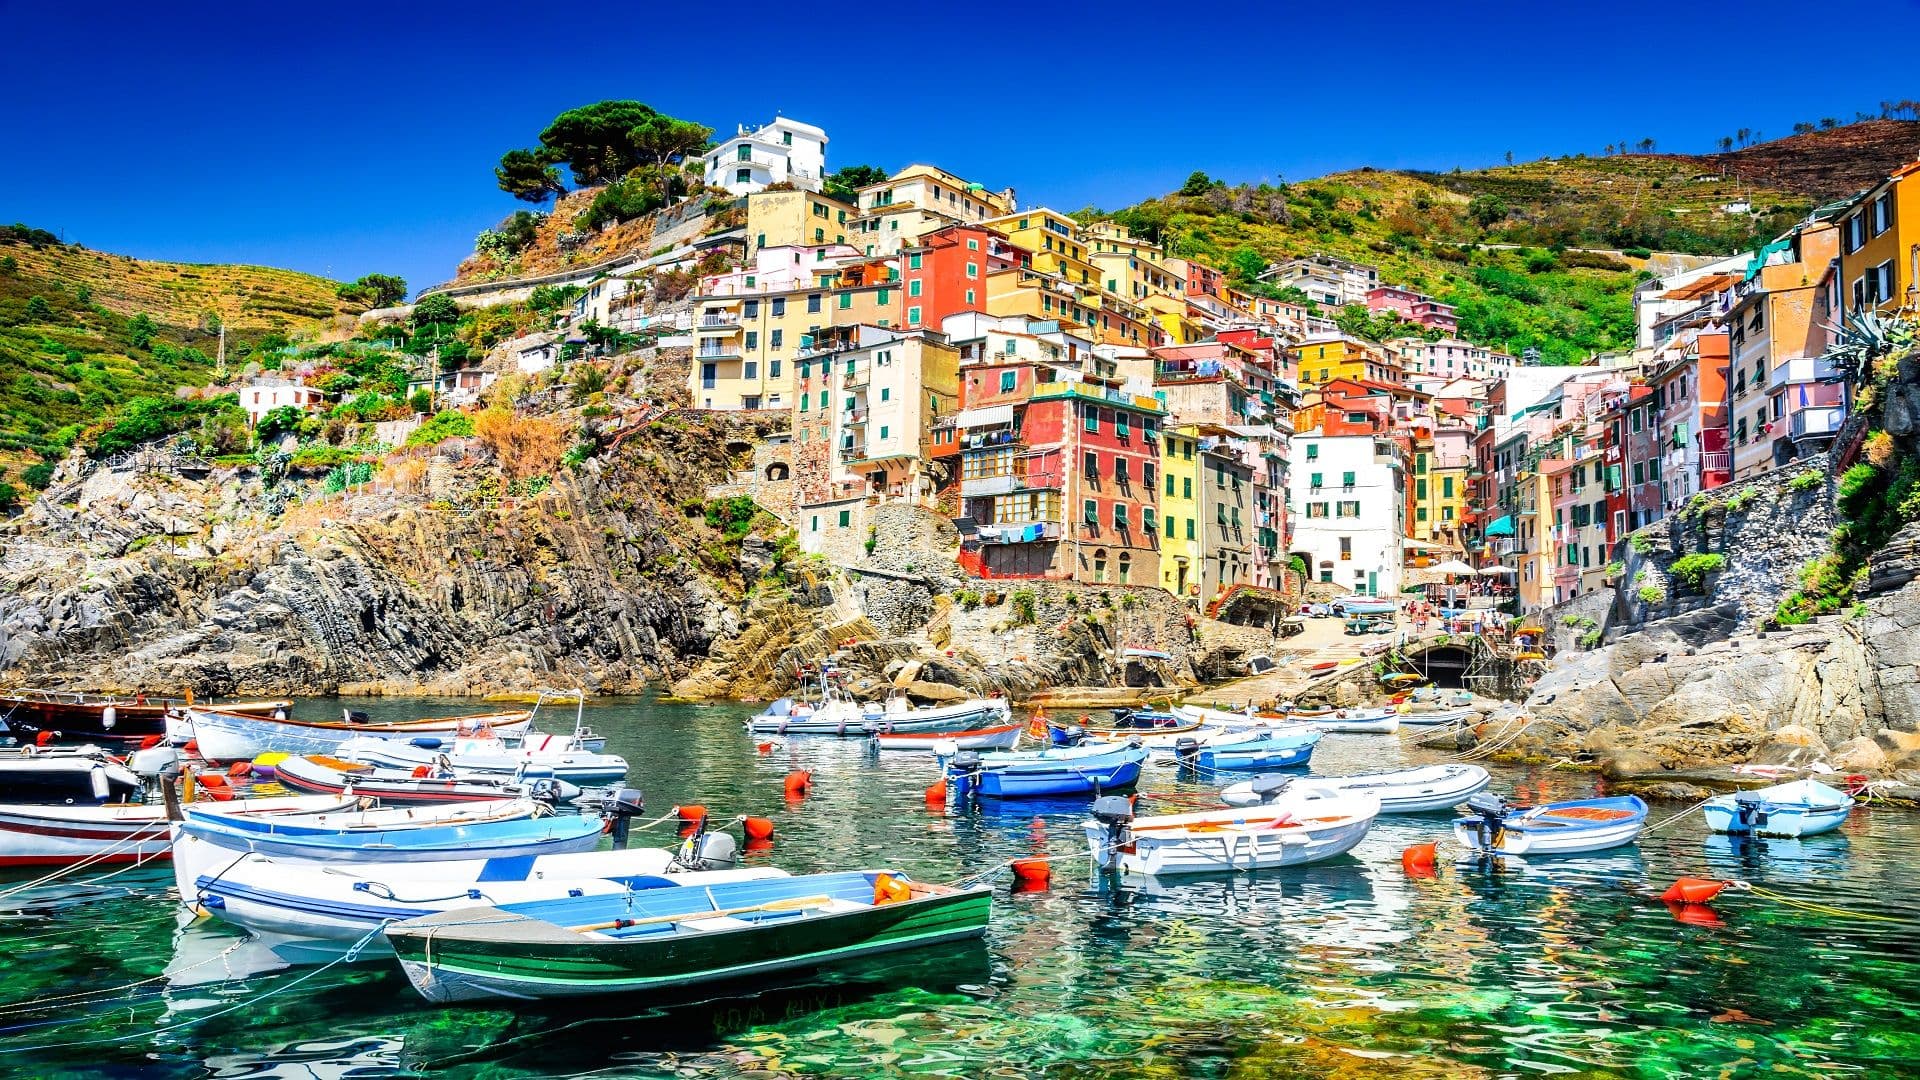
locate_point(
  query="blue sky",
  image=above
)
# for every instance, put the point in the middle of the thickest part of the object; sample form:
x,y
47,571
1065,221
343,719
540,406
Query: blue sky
x,y
354,138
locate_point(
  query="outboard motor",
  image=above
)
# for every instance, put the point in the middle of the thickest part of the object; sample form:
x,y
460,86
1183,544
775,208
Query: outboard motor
x,y
1750,811
963,769
1269,788
1492,811
355,716
621,808
1186,751
1116,813
707,851
150,763
546,791
1069,735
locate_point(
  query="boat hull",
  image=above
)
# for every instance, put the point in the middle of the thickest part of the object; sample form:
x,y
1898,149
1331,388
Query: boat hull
x,y
114,833
225,736
397,788
1422,790
577,767
1040,785
962,717
467,963
1534,832
1247,757
1003,737
1298,831
132,720
1433,719
1801,808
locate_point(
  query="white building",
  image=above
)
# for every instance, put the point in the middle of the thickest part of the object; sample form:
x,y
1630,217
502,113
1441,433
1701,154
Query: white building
x,y
1328,281
265,394
785,151
1349,499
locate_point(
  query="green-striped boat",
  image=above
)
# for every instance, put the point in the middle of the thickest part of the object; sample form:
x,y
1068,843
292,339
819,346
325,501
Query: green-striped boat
x,y
661,939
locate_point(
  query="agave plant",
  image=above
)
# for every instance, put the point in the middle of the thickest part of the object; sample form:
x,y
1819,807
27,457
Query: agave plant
x,y
1864,337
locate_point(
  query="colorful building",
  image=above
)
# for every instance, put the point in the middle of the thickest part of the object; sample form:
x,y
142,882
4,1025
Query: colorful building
x,y
1880,245
783,152
1350,492
796,219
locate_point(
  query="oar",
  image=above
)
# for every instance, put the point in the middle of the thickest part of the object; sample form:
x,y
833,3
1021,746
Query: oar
x,y
797,903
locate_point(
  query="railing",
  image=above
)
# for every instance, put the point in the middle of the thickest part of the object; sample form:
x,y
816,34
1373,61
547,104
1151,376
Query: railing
x,y
1805,369
716,354
1716,461
1020,532
1817,421
719,321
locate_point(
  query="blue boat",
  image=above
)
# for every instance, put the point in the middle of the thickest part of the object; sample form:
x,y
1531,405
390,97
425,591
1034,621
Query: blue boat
x,y
499,839
1125,722
1065,770
1261,750
1800,808
1492,827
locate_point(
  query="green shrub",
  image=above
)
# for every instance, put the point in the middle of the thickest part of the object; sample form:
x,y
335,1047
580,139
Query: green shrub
x,y
448,424
1616,568
733,517
1025,606
1693,569
38,475
151,418
1129,601
1653,595
1640,543
967,598
315,457
1741,501
9,496
873,539
1637,253
1591,638
1806,481
1569,620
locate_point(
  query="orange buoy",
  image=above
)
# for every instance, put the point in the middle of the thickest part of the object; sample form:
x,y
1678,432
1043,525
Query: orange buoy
x,y
691,818
797,783
192,748
757,828
1689,890
937,793
1417,861
1695,914
421,772
240,768
888,889
765,748
1031,874
213,781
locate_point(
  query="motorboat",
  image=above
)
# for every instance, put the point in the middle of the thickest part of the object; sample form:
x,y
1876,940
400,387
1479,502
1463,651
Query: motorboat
x,y
1276,748
556,756
223,736
1419,790
1066,770
64,714
64,775
1492,827
1795,809
113,833
1308,825
948,743
421,784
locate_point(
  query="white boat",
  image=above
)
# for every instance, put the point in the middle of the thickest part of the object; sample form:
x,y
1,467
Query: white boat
x,y
1308,825
949,743
1332,721
64,775
331,776
1418,790
118,832
1799,808
229,736
1356,721
1562,828
837,714
555,756
310,912
1432,717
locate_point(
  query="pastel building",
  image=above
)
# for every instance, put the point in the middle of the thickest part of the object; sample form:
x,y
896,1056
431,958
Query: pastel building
x,y
896,212
1350,495
785,151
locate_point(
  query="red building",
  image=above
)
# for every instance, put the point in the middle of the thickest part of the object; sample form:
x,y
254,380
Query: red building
x,y
1058,478
946,273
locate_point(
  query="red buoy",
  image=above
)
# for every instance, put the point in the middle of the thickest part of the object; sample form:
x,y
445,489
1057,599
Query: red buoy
x,y
1688,890
1031,874
765,748
1417,861
937,793
421,772
1695,914
240,768
691,817
757,828
798,782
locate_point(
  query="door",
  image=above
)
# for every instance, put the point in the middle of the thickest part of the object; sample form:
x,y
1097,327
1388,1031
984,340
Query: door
x,y
1373,583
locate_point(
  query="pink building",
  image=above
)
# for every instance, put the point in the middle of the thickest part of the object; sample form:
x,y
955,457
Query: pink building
x,y
1413,307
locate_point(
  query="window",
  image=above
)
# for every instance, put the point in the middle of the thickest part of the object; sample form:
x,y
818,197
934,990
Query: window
x,y
1317,509
1349,508
1092,466
1092,422
1883,213
1169,484
813,303
886,393
880,297
1346,481
846,518
1146,475
913,261
753,339
973,244
1186,487
1314,480
1446,487
1091,512
846,301
774,339
779,306
969,297
913,287
752,307
1420,488
1120,516
883,431
823,401
743,176
1007,379
1219,514
1189,528
1170,521
773,366
973,270
913,313
1120,472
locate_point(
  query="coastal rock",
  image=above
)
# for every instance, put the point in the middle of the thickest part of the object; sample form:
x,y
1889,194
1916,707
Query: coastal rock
x,y
1859,755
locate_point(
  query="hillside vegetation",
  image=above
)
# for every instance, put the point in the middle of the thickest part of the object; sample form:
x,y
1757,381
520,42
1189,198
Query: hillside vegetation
x,y
84,332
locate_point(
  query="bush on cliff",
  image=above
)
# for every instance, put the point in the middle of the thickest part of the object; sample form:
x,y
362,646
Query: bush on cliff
x,y
1693,569
151,418
524,445
445,425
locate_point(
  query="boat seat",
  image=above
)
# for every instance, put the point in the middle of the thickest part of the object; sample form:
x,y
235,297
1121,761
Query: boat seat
x,y
1590,813
718,922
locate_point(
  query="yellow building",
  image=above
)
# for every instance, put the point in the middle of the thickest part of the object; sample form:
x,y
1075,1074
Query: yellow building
x,y
1109,237
747,336
1880,245
796,219
1326,357
1179,507
1136,277
1052,240
917,200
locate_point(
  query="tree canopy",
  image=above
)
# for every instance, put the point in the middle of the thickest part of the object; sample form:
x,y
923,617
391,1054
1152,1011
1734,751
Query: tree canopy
x,y
600,143
845,184
375,290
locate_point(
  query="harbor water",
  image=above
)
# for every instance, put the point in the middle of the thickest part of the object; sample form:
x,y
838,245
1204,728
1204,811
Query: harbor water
x,y
1346,968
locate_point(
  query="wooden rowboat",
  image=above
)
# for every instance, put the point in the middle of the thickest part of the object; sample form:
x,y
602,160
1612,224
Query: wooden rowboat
x,y
666,940
999,737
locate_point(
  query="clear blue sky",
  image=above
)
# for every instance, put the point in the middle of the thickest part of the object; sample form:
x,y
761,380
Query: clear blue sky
x,y
345,139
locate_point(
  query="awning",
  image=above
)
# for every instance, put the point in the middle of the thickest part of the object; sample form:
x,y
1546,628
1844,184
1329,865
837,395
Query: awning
x,y
1453,567
984,417
1498,571
1502,526
1410,544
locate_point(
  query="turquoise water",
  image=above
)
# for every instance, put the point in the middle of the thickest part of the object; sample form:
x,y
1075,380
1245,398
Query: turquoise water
x,y
1346,968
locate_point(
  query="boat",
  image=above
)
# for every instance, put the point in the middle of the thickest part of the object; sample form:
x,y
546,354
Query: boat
x,y
64,714
1061,770
1432,717
1364,605
1309,824
1353,721
488,758
225,736
1417,790
1799,808
314,913
1403,680
1126,724
1492,827
1240,751
118,832
79,774
672,939
948,743
487,833
842,716
421,784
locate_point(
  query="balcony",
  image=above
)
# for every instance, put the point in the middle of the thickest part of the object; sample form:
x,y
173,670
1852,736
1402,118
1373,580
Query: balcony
x,y
1716,461
1805,369
1020,532
716,351
981,486
1816,422
723,320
